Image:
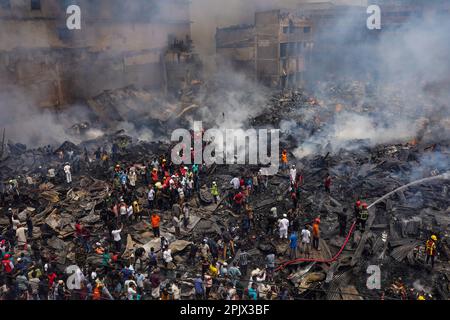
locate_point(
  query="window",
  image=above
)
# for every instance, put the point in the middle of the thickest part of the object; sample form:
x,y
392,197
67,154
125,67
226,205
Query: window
x,y
35,4
306,29
5,4
283,49
285,29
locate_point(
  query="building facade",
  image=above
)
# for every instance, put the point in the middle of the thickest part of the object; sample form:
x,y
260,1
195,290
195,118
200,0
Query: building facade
x,y
121,43
273,51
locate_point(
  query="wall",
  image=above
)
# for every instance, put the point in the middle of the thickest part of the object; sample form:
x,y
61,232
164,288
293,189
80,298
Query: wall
x,y
120,44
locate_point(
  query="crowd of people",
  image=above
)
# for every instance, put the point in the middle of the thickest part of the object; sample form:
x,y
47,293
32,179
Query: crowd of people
x,y
220,264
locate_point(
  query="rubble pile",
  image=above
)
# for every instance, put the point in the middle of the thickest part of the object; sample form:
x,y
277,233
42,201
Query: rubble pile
x,y
393,239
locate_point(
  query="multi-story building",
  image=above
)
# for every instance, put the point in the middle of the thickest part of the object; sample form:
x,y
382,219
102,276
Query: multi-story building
x,y
120,43
274,51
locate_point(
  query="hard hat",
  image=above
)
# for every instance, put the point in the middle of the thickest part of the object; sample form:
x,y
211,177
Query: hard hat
x,y
285,215
317,220
433,237
421,297
364,205
214,183
358,203
154,169
164,160
185,168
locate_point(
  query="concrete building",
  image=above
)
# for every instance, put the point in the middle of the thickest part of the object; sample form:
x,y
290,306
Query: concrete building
x,y
120,44
274,51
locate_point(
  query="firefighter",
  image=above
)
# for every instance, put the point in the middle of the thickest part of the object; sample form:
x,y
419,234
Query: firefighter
x,y
430,249
363,216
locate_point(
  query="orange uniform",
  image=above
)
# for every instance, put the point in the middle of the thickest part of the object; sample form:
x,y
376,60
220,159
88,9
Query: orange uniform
x,y
155,221
316,231
284,157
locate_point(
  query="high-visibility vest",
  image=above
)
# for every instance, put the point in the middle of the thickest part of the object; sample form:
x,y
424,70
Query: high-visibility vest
x,y
284,157
364,214
431,248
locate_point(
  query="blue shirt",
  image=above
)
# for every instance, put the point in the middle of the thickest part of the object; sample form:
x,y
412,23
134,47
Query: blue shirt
x,y
198,283
293,239
252,294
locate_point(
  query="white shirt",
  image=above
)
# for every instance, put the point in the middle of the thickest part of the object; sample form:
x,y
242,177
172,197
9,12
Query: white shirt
x,y
131,293
21,236
293,173
236,183
116,234
283,224
67,169
167,256
123,210
151,195
130,211
176,292
306,236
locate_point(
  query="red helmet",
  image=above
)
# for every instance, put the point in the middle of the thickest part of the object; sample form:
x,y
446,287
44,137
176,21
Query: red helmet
x,y
317,220
364,205
7,256
358,203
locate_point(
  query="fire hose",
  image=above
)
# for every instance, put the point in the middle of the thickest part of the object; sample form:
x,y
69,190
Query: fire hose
x,y
445,175
285,264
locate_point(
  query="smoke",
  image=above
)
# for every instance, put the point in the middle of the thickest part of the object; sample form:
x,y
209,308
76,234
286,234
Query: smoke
x,y
207,15
404,93
230,99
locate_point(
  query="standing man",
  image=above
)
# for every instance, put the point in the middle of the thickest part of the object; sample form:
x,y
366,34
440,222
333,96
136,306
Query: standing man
x,y
21,236
117,238
215,192
68,173
177,224
292,174
430,249
243,261
227,242
284,160
306,240
363,216
151,197
293,245
316,234
155,225
283,225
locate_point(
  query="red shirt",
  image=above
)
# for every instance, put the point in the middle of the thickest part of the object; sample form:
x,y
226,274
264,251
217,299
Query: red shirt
x,y
51,279
238,198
